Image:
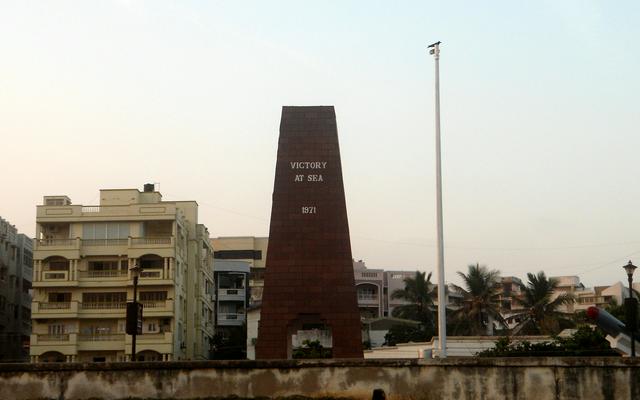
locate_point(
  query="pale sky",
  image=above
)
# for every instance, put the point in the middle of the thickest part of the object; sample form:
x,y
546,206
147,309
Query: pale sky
x,y
540,117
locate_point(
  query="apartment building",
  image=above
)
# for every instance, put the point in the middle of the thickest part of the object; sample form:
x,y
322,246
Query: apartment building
x,y
250,249
83,257
232,295
375,288
585,297
16,262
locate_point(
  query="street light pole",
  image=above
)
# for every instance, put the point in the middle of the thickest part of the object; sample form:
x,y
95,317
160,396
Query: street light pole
x,y
442,320
134,314
631,308
135,300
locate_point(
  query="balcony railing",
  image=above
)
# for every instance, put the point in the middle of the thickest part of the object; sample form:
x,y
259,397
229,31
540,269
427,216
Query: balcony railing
x,y
105,337
97,305
63,337
152,274
151,336
107,273
153,303
231,292
56,305
104,242
231,316
367,296
56,242
55,275
151,240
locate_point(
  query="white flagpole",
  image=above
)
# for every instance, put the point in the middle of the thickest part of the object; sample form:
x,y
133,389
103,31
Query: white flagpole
x,y
442,306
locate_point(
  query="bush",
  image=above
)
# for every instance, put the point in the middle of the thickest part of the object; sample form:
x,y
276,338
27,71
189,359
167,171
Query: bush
x,y
311,349
406,334
584,342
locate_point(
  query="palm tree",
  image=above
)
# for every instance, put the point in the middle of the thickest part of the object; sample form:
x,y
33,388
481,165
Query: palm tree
x,y
479,305
541,313
419,294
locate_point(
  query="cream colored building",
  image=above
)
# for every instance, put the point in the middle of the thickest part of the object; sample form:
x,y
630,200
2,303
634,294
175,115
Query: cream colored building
x,y
82,279
245,248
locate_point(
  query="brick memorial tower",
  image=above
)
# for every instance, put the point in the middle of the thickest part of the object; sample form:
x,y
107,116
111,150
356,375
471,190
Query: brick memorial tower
x,y
309,279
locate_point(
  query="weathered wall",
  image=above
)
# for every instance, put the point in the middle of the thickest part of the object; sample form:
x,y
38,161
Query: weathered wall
x,y
465,379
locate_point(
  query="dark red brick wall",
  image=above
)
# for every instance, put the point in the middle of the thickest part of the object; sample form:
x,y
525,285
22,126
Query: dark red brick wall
x,y
309,274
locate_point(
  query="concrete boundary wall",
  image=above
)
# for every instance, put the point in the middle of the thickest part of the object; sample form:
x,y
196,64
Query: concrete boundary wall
x,y
465,378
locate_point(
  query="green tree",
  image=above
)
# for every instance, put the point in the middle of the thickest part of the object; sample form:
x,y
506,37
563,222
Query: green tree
x,y
479,305
541,315
419,294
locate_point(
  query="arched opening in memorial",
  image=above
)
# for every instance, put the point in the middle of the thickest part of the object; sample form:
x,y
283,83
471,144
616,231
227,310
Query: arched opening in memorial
x,y
309,336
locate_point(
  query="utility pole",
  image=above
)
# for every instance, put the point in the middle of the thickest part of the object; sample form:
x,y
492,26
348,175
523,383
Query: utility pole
x,y
434,50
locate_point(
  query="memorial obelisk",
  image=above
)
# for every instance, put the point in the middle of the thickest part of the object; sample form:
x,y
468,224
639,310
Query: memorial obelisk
x,y
309,280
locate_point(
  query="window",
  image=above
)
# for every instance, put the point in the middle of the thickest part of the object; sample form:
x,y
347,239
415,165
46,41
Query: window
x,y
96,330
59,297
103,265
105,230
58,265
238,254
27,258
105,297
367,293
26,286
231,281
153,296
57,329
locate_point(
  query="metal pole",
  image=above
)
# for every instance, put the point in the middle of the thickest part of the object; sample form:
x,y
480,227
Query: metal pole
x,y
631,323
442,306
135,300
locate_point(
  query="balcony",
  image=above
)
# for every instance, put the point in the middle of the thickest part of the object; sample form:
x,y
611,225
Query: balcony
x,y
64,337
368,299
152,241
102,310
101,342
103,305
157,308
104,337
151,274
160,337
231,294
68,248
164,246
231,319
76,212
62,342
56,243
41,309
162,342
102,274
48,275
